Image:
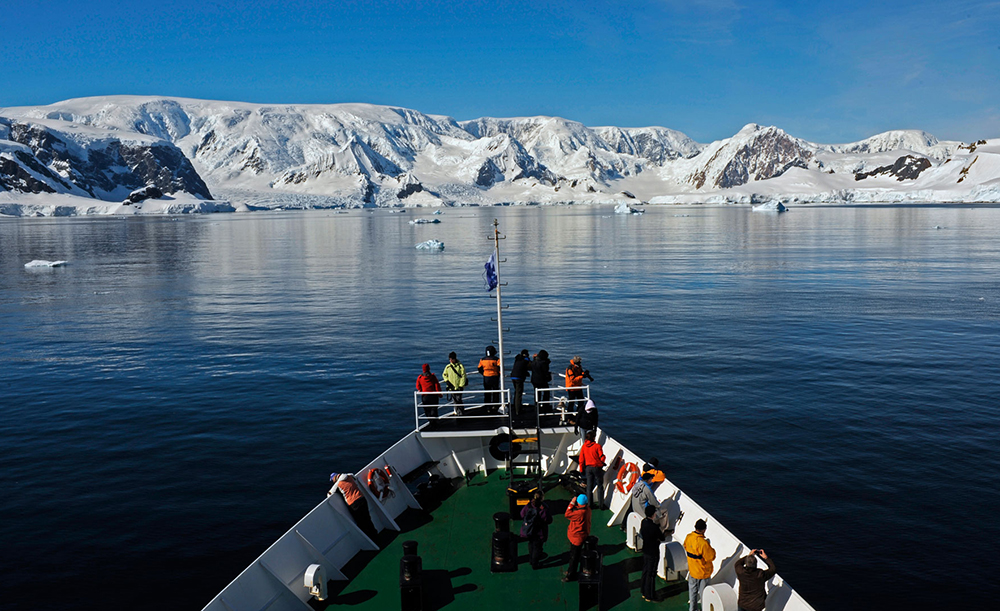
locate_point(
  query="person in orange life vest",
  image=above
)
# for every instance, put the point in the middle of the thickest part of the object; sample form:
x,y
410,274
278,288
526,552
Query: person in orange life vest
x,y
700,556
356,502
653,468
428,382
592,463
578,512
574,378
489,366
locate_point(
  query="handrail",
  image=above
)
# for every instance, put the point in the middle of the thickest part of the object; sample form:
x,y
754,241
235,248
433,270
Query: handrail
x,y
561,402
500,406
558,402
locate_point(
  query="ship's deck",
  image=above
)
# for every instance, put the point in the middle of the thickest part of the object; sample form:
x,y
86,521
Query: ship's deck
x,y
454,544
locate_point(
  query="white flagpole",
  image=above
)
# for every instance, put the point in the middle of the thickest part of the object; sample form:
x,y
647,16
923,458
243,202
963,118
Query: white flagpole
x,y
496,253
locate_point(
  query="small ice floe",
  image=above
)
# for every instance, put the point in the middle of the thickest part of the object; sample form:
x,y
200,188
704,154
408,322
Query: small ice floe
x,y
437,212
681,215
424,221
44,263
624,208
430,245
769,207
938,227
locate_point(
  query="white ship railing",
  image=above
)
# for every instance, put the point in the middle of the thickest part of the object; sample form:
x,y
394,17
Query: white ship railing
x,y
559,400
473,407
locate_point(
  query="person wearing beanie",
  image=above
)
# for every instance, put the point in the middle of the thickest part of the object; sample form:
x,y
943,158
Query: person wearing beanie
x,y
489,367
587,420
700,556
578,512
518,374
540,378
427,382
455,380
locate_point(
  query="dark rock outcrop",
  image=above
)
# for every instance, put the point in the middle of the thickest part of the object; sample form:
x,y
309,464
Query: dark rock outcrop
x,y
139,195
101,168
906,167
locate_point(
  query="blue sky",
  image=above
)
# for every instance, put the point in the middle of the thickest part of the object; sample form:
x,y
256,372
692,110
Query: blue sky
x,y
828,72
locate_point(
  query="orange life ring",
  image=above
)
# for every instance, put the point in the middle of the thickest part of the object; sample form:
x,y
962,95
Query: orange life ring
x,y
630,472
378,483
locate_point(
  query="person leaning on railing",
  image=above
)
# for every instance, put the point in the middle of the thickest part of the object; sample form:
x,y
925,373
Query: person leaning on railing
x,y
574,379
518,374
540,378
427,382
489,367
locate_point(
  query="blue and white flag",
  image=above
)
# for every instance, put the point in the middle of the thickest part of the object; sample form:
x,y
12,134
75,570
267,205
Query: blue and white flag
x,y
490,275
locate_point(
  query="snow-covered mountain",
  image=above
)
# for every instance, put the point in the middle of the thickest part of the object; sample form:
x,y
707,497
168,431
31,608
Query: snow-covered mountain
x,y
362,154
53,156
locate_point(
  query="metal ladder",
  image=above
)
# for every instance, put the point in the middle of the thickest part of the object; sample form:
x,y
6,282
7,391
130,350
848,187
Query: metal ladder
x,y
525,465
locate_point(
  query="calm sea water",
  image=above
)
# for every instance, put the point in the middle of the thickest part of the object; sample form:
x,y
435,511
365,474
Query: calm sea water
x,y
825,381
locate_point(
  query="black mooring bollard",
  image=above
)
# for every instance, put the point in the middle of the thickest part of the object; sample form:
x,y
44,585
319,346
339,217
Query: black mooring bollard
x,y
503,549
411,579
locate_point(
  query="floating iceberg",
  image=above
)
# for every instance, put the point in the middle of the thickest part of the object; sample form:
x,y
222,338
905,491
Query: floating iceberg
x,y
624,208
437,212
44,263
424,221
769,207
431,245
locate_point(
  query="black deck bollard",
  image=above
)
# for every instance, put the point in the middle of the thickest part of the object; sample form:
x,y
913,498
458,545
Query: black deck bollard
x,y
411,579
503,550
591,571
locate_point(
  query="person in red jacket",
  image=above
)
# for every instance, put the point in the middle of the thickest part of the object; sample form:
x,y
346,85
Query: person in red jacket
x,y
592,463
578,512
428,382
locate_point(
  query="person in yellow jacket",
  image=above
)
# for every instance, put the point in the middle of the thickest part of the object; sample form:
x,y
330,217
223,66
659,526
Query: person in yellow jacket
x,y
700,556
455,380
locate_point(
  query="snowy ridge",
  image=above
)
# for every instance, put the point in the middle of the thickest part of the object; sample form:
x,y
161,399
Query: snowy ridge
x,y
368,155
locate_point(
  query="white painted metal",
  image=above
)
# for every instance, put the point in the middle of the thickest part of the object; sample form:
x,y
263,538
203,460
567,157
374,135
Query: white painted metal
x,y
315,581
719,597
559,399
448,410
327,535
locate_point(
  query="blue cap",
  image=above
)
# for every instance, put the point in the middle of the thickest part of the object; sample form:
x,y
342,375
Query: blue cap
x,y
334,476
581,500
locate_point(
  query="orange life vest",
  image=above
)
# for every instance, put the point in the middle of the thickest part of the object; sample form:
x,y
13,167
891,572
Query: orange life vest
x,y
490,366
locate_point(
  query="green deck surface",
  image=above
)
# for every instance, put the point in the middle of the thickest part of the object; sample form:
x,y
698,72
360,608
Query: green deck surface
x,y
454,544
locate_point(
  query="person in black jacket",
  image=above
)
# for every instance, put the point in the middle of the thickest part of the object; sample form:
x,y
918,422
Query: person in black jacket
x,y
518,374
752,580
540,378
651,538
588,418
